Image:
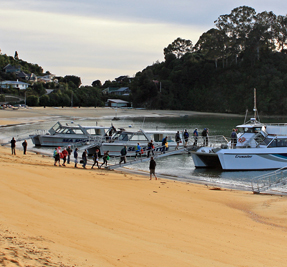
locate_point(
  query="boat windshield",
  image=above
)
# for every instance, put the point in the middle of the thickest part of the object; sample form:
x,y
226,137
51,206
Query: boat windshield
x,y
252,129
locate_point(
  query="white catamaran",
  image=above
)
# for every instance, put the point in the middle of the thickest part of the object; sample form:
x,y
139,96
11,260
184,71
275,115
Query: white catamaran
x,y
259,147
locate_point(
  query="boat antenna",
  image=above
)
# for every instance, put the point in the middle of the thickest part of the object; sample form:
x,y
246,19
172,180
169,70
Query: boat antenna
x,y
246,112
255,109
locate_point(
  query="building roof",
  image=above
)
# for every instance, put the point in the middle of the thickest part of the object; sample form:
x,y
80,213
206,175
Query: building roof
x,y
13,82
122,89
117,101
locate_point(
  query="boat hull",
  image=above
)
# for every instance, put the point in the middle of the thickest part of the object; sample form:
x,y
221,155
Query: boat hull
x,y
242,159
54,140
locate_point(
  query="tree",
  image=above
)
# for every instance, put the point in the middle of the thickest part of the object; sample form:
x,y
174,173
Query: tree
x,y
281,32
32,100
178,47
74,79
96,83
212,44
237,26
44,100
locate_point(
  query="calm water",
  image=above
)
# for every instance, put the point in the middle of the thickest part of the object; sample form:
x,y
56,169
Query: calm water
x,y
175,167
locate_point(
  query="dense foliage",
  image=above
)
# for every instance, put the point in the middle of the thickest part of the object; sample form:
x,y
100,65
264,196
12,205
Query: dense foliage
x,y
218,74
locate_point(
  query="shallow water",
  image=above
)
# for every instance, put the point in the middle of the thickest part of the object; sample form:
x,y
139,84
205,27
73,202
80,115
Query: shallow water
x,y
180,167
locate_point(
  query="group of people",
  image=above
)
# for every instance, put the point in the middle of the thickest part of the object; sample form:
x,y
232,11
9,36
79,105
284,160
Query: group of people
x,y
195,134
13,146
65,155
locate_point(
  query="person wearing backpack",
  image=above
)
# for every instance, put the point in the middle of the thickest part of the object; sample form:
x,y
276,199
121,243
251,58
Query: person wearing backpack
x,y
185,136
106,157
138,150
150,148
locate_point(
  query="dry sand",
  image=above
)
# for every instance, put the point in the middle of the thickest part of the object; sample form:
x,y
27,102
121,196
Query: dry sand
x,y
61,216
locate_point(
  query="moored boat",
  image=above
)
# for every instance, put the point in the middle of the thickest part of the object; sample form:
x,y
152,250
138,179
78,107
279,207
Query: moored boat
x,y
258,146
64,135
132,138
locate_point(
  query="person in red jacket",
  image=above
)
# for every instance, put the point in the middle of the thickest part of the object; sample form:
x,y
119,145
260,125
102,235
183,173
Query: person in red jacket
x,y
64,155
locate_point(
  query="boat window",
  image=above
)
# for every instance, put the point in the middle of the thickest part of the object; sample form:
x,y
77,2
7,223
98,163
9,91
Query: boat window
x,y
266,141
70,131
157,137
124,137
278,143
78,131
138,137
273,143
281,142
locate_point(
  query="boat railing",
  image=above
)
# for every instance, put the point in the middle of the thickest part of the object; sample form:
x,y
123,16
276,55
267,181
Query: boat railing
x,y
216,141
272,181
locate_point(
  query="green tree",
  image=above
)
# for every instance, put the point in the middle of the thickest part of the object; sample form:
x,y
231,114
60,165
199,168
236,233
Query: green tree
x,y
178,47
32,100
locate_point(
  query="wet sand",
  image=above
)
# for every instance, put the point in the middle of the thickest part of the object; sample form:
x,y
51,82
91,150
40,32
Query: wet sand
x,y
62,216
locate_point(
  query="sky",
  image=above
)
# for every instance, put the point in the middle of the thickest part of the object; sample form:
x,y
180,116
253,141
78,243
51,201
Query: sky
x,y
102,40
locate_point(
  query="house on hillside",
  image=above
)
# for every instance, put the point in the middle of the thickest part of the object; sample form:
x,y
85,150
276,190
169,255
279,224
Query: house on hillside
x,y
12,69
116,91
22,75
117,103
32,77
122,91
14,84
109,90
46,78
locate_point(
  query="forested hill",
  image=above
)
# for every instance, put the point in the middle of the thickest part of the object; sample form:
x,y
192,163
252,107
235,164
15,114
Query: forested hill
x,y
246,50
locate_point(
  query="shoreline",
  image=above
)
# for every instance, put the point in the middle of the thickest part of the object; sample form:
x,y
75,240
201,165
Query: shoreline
x,y
34,115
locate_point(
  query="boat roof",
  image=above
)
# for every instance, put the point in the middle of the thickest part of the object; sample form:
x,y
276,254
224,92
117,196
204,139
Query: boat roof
x,y
250,125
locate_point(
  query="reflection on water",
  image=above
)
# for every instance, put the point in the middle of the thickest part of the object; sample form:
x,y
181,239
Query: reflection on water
x,y
180,167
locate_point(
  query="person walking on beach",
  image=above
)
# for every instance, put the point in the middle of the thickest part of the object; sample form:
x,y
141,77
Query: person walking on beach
x,y
177,140
150,148
138,150
69,154
84,158
13,146
123,155
65,154
195,136
76,157
96,158
185,136
152,165
24,144
106,157
56,157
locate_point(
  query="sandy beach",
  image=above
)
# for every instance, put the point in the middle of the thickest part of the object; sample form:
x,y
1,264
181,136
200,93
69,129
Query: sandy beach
x,y
62,216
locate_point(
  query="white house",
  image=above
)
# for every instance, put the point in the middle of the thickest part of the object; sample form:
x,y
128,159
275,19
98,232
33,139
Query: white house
x,y
14,84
